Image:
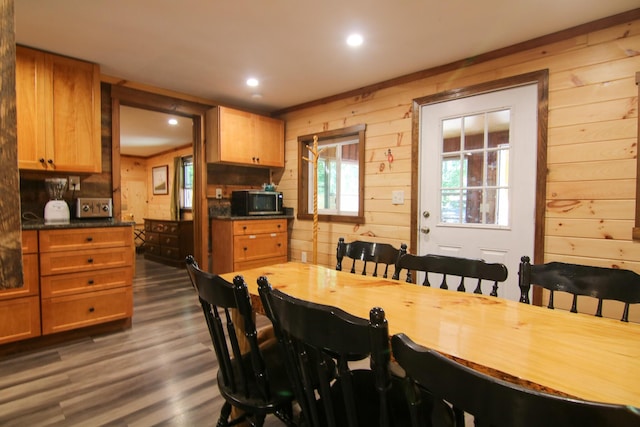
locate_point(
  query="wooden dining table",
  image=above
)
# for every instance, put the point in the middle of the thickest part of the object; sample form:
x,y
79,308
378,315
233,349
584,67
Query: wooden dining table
x,y
555,351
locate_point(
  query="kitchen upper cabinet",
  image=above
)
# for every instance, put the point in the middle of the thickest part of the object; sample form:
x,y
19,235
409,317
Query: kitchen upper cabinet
x,y
58,113
243,138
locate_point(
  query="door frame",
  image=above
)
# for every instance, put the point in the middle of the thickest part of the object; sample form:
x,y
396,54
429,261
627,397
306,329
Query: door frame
x,y
166,104
541,79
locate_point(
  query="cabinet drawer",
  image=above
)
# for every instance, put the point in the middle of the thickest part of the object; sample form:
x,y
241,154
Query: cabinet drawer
x,y
258,246
85,238
73,283
245,265
151,249
259,226
20,319
76,311
76,261
152,237
173,253
164,227
168,240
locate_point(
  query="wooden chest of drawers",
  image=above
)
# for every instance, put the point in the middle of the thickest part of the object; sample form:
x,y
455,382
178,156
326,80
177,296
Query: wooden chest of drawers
x,y
86,276
168,242
242,244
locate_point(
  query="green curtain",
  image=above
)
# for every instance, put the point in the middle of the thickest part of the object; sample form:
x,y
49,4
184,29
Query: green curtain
x,y
175,188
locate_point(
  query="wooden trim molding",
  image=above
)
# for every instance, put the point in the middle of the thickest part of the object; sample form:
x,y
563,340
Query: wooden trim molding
x,y
303,178
151,101
636,230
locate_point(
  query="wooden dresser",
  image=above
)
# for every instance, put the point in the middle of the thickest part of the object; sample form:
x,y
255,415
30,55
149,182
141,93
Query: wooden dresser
x,y
168,242
239,244
86,276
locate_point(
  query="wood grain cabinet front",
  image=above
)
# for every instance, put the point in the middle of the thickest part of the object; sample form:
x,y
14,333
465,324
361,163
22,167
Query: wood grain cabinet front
x,y
58,113
242,244
20,307
243,138
86,276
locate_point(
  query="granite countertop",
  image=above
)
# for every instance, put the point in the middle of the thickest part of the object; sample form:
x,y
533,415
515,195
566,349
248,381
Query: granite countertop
x,y
38,224
257,217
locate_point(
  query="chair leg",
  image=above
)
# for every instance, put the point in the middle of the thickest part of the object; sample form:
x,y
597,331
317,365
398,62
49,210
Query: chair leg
x,y
225,412
459,417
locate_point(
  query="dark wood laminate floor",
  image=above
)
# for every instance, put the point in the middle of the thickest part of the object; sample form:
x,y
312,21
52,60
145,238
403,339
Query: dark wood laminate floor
x,y
161,371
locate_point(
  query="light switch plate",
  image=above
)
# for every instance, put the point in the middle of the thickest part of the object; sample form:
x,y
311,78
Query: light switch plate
x,y
218,193
397,197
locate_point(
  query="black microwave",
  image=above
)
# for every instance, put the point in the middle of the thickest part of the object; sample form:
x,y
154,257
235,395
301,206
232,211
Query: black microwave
x,y
256,202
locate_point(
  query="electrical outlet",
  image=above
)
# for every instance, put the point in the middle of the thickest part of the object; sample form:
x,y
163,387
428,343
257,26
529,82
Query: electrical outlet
x,y
218,193
303,257
74,183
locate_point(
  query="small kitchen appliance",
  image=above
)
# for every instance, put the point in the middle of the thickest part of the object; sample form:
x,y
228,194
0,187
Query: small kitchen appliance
x,y
254,202
94,207
56,211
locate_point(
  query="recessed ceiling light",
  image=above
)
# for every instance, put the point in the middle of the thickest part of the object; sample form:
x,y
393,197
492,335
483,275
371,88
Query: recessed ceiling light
x,y
354,40
252,82
173,122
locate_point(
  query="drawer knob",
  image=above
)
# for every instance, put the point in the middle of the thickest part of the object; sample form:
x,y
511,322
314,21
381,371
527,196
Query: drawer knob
x,y
90,260
245,248
244,227
89,239
91,309
279,244
90,282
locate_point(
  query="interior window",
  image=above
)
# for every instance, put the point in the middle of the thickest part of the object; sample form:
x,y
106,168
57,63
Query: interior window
x,y
186,201
340,176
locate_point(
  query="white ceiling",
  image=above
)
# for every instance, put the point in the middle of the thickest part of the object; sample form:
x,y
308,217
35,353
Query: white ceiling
x,y
296,48
144,133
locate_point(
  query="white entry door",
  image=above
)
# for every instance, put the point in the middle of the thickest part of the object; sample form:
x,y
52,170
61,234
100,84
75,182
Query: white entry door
x,y
478,179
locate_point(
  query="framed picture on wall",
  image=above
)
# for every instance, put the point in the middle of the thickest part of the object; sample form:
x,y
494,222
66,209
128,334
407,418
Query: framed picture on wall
x,y
160,179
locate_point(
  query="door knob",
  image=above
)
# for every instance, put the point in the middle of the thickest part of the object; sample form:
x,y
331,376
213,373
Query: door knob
x,y
426,214
425,230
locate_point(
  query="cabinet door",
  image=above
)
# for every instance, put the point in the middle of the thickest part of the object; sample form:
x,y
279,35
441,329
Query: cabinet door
x,y
235,133
20,319
259,246
30,108
239,137
76,115
268,141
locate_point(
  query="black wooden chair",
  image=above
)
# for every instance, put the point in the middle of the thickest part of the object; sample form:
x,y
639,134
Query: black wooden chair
x,y
377,253
254,382
337,393
495,402
462,268
597,282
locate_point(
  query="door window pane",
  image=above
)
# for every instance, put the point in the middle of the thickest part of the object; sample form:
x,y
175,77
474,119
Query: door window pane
x,y
474,185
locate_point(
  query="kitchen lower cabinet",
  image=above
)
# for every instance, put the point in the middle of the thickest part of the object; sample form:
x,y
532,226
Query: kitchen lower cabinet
x,y
247,243
86,276
167,241
20,307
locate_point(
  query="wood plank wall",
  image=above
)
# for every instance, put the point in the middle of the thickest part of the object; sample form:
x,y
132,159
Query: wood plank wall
x,y
592,147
